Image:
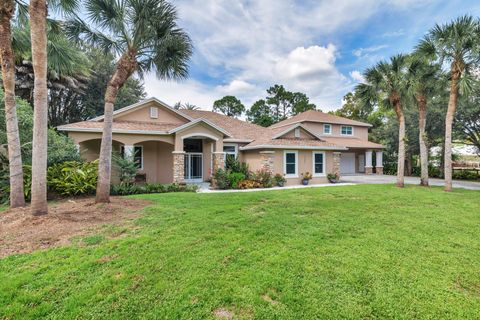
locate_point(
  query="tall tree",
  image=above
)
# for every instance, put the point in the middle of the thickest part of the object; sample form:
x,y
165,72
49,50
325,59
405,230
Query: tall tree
x,y
421,78
301,103
38,31
456,43
261,114
230,106
17,198
146,36
280,101
386,83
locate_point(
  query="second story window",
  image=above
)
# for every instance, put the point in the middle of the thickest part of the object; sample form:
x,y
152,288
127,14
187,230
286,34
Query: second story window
x,y
327,128
347,130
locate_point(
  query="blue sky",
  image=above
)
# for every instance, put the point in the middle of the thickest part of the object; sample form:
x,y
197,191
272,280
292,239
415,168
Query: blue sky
x,y
242,47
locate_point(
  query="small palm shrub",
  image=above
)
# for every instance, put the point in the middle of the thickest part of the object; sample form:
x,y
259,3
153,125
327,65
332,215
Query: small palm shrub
x,y
264,178
73,178
220,178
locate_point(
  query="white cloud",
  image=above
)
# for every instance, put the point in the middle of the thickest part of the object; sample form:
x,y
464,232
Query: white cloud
x,y
357,76
246,46
236,87
363,51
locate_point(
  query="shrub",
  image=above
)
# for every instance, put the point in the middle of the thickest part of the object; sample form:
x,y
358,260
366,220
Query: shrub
x,y
264,178
220,177
234,178
249,184
466,175
307,176
232,164
127,168
73,178
5,184
279,179
125,189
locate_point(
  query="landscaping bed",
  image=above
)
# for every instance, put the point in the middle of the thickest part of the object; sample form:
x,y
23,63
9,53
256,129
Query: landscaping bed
x,y
67,219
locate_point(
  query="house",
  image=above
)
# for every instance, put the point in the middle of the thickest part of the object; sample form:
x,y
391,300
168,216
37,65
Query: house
x,y
171,145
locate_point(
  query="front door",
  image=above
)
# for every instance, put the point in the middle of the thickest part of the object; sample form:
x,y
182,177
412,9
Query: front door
x,y
193,167
361,163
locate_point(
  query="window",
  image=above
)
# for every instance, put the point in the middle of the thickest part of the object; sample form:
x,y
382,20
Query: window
x,y
297,132
318,159
137,155
291,164
347,130
154,112
230,153
327,128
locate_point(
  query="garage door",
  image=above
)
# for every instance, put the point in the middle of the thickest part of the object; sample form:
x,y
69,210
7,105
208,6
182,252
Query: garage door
x,y
347,163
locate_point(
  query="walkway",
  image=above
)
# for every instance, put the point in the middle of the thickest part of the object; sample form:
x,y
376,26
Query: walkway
x,y
374,179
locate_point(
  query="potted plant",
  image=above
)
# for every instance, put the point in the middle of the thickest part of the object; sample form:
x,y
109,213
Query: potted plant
x,y
306,177
333,177
279,180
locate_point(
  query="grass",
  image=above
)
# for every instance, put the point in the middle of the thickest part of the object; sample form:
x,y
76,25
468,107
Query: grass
x,y
351,252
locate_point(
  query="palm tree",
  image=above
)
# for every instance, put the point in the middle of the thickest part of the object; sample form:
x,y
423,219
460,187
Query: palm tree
x,y
422,79
185,106
456,43
147,38
17,198
38,34
385,84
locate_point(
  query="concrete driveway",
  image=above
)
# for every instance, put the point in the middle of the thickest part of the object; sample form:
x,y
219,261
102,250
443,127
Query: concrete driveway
x,y
374,179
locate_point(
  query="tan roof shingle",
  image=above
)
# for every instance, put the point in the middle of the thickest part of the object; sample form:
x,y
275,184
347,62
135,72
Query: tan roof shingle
x,y
318,116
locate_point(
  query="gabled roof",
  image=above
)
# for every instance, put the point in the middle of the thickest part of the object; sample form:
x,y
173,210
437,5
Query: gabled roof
x,y
240,131
298,125
141,104
197,121
318,116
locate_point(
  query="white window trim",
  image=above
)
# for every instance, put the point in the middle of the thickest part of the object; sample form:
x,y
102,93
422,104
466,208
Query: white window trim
x,y
154,112
327,124
345,134
230,145
313,164
143,155
295,175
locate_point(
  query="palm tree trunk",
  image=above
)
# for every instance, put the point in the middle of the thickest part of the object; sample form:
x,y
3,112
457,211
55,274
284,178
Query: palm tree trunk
x,y
124,69
38,33
452,105
17,197
422,120
401,144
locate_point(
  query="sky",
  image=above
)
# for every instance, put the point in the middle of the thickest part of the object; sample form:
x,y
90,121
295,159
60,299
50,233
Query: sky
x,y
242,47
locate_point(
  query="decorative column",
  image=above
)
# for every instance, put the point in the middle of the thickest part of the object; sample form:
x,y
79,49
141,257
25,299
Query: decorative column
x,y
268,161
336,163
178,166
218,161
368,162
379,164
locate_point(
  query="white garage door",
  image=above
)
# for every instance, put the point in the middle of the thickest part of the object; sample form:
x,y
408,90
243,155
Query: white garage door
x,y
347,163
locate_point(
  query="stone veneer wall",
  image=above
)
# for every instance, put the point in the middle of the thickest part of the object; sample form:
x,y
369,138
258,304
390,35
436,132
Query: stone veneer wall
x,y
268,161
368,170
218,161
379,170
336,163
179,166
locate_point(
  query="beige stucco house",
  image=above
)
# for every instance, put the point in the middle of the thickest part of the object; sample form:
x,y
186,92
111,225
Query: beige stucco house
x,y
188,145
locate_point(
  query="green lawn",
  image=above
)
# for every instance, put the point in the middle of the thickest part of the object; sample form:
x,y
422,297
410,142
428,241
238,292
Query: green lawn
x,y
352,252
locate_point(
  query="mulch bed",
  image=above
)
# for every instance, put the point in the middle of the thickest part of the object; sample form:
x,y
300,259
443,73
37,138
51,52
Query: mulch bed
x,y
20,232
